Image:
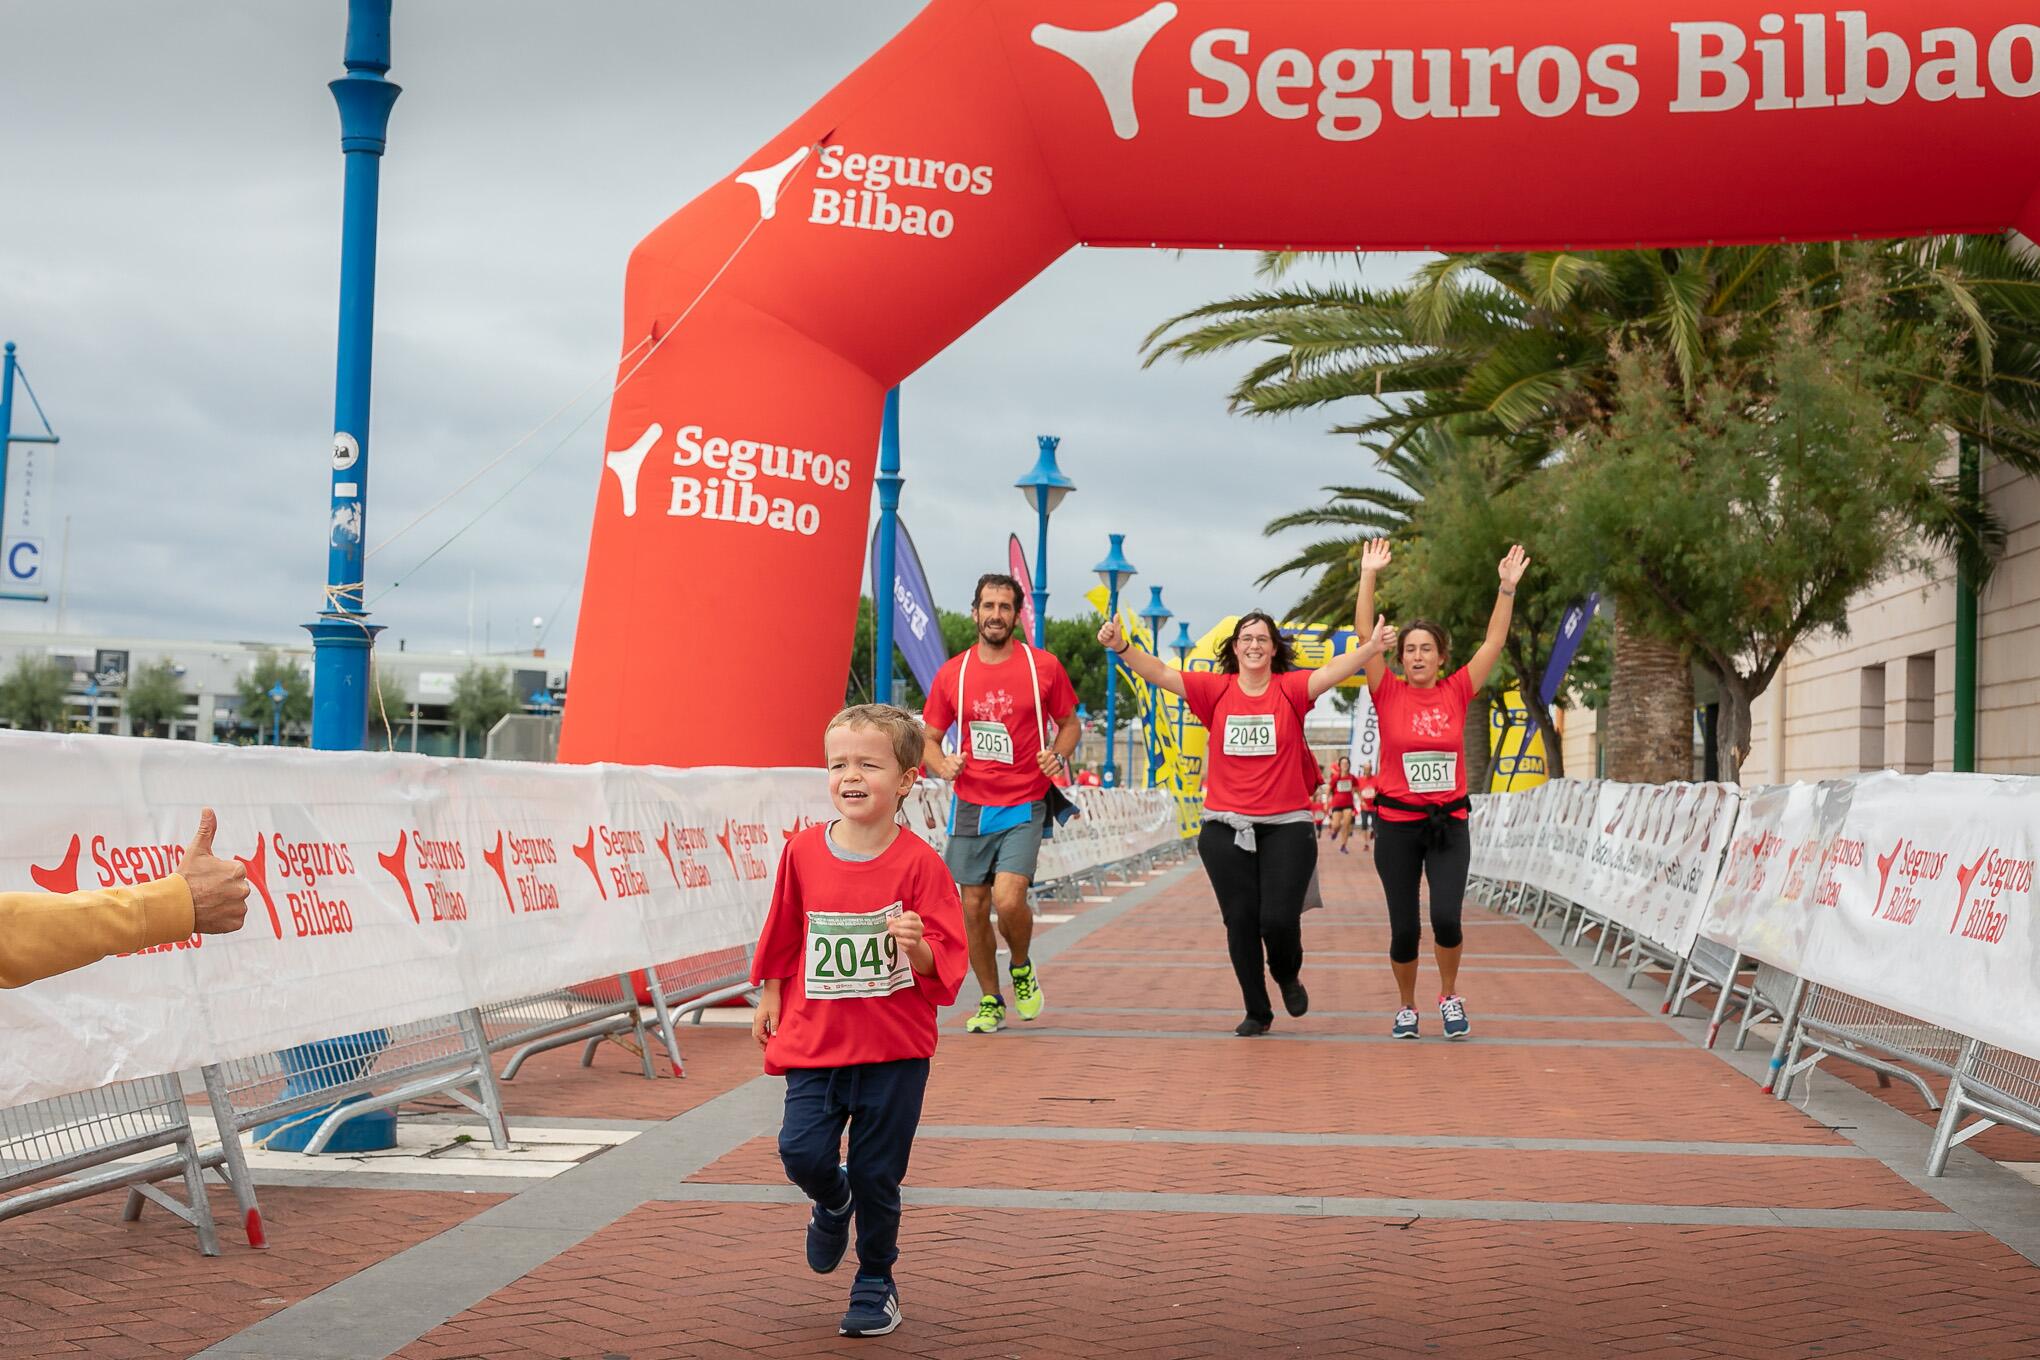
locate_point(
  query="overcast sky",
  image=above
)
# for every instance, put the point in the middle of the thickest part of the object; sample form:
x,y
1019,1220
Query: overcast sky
x,y
169,266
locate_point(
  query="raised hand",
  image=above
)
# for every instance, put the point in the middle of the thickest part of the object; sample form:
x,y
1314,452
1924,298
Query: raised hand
x,y
1108,636
219,887
1375,555
1512,567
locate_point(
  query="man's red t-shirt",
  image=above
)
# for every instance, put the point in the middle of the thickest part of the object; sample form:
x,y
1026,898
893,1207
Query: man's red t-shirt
x,y
857,1029
1417,722
1001,740
1255,758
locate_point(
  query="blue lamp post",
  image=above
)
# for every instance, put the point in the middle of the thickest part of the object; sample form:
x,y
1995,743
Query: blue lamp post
x,y
342,635
1182,646
1156,616
884,587
277,694
1044,486
1115,571
1083,731
92,695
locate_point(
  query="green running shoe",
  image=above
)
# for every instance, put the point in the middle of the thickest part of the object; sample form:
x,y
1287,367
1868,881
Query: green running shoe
x,y
990,1017
1027,997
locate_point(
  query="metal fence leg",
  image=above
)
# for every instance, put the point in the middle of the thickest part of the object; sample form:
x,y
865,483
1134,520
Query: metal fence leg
x,y
1727,995
1787,1039
1672,989
1945,1136
663,1018
234,1161
490,1094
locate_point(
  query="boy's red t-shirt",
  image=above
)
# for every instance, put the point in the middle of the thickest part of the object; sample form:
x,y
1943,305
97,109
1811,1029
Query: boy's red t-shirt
x,y
1253,785
1420,720
850,1030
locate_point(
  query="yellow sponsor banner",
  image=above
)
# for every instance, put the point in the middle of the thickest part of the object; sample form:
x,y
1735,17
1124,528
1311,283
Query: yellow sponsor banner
x,y
1516,746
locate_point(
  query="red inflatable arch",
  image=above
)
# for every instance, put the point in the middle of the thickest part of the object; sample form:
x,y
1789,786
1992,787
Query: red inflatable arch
x,y
764,321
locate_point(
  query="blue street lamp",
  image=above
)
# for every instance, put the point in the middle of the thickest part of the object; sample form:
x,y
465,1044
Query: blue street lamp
x,y
1114,572
1183,646
1044,486
1083,731
342,636
277,694
541,701
92,693
1156,616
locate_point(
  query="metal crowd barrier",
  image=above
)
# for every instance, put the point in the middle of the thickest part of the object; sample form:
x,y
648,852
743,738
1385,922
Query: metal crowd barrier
x,y
585,1014
1832,1023
1999,1086
57,1139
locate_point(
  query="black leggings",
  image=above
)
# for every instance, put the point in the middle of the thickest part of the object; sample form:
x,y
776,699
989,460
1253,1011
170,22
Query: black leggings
x,y
1402,858
1260,897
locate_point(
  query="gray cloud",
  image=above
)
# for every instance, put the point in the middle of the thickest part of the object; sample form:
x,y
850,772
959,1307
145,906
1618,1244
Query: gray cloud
x,y
169,264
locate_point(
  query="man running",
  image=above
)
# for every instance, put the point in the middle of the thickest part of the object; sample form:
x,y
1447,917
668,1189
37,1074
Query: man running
x,y
1005,693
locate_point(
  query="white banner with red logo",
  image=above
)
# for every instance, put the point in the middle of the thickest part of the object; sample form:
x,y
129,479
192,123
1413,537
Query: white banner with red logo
x,y
392,888
1644,856
1911,891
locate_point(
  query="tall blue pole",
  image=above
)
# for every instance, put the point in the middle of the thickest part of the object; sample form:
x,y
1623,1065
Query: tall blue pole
x,y
1041,574
884,586
1110,777
341,637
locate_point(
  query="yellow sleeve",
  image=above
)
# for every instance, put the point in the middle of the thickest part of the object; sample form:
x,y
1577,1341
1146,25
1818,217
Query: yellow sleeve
x,y
43,934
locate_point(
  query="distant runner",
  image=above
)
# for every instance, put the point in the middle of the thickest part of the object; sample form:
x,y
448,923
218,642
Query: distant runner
x,y
1257,843
1421,796
1342,802
1006,693
1370,788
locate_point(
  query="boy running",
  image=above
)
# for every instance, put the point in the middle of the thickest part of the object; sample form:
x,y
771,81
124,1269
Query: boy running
x,y
862,945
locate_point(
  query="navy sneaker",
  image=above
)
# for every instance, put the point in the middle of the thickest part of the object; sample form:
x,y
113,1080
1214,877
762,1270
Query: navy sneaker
x,y
874,1308
1405,1024
828,1235
1453,1009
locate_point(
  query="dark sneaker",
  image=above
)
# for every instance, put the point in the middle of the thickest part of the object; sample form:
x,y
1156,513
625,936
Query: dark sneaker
x,y
874,1308
1405,1024
1295,999
1251,1028
1453,1009
828,1236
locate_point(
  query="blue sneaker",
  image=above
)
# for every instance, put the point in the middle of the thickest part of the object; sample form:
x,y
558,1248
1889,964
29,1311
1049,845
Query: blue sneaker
x,y
1405,1024
1453,1009
828,1235
874,1308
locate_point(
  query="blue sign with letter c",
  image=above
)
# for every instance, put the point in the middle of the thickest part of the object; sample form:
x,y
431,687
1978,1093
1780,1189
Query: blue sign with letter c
x,y
24,560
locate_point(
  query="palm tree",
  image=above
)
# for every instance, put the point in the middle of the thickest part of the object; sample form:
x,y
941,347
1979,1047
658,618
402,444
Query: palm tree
x,y
1523,347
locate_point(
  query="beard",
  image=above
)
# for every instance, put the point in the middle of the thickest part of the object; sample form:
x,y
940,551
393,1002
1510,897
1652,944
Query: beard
x,y
994,632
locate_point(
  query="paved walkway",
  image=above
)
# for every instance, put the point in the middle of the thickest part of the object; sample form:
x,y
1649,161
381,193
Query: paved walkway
x,y
1125,1176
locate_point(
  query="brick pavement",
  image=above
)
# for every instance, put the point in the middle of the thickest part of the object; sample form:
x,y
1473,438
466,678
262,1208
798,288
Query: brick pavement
x,y
1127,1177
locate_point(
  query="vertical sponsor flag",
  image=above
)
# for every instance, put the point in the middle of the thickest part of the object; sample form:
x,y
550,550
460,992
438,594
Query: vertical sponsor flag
x,y
917,630
1516,744
1366,750
1016,566
1572,629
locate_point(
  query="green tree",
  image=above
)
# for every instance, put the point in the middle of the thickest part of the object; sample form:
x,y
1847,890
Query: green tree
x,y
155,698
1525,347
32,695
258,710
389,709
1742,520
481,699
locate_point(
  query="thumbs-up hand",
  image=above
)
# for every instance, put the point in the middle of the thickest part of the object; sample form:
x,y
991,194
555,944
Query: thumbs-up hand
x,y
219,887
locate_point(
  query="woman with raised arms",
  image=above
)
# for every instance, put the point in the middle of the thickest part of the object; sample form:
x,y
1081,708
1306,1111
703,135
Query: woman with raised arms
x,y
1420,799
1258,844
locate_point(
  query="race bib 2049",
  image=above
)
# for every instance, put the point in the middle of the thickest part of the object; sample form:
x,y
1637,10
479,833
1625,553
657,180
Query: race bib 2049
x,y
1431,771
991,741
1250,734
850,953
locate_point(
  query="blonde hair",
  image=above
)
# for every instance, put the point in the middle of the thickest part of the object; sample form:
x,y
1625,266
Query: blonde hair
x,y
902,728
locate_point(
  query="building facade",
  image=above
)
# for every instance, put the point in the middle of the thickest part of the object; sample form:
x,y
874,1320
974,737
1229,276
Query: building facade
x,y
209,675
